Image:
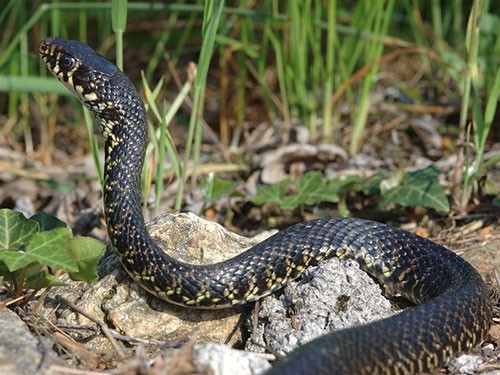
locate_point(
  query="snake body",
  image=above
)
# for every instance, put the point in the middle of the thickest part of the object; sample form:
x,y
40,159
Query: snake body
x,y
453,312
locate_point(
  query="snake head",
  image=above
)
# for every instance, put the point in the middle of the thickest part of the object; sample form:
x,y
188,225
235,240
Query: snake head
x,y
103,88
83,71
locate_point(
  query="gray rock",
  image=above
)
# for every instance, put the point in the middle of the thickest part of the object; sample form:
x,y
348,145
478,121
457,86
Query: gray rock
x,y
466,364
332,296
221,360
19,351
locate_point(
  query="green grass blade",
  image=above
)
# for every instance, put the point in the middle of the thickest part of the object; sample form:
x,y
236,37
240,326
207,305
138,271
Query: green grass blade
x,y
94,145
213,10
12,84
119,23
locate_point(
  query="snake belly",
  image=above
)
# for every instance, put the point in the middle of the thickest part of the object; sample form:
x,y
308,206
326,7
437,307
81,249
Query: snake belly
x,y
453,311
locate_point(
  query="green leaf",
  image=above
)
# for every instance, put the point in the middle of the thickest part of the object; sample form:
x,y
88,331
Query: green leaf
x,y
14,260
86,252
420,188
312,188
15,230
48,222
372,184
271,194
49,248
23,246
4,271
214,188
347,183
119,15
42,280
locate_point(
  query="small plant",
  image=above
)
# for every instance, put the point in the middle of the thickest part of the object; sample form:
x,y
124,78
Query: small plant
x,y
214,188
481,93
35,252
310,189
419,188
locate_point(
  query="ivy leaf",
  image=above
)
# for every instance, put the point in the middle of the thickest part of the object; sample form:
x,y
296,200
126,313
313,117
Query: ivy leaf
x,y
348,183
214,188
48,222
48,248
29,246
14,260
271,194
312,188
372,184
86,252
15,230
419,188
41,280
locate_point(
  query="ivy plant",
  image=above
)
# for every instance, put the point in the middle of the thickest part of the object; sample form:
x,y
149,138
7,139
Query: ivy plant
x,y
419,188
35,252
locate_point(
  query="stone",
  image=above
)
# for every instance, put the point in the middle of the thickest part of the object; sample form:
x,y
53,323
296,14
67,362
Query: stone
x,y
466,364
115,298
334,295
19,349
221,360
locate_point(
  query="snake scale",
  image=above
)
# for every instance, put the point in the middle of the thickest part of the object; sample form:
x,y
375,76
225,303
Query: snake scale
x,y
453,310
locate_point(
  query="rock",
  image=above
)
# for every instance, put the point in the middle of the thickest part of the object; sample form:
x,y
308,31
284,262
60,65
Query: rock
x,y
213,359
19,351
192,239
485,258
466,364
116,299
221,360
329,297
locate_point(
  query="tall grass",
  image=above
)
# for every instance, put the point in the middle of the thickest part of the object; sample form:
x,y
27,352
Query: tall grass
x,y
481,92
303,38
376,18
321,53
211,17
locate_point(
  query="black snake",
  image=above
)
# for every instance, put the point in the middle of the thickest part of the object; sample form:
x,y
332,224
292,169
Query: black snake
x,y
453,312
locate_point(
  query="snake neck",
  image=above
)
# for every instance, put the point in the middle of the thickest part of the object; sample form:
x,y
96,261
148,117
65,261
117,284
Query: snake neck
x,y
125,148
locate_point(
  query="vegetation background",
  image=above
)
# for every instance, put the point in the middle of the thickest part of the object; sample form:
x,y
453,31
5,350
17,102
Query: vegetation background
x,y
262,114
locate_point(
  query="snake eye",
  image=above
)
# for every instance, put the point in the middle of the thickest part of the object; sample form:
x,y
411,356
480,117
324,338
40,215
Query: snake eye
x,y
67,62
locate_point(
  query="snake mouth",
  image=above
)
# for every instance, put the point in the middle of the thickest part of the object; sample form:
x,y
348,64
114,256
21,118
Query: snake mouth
x,y
44,46
47,52
51,55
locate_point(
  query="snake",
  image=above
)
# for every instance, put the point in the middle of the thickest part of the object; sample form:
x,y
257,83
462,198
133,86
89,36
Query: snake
x,y
452,310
